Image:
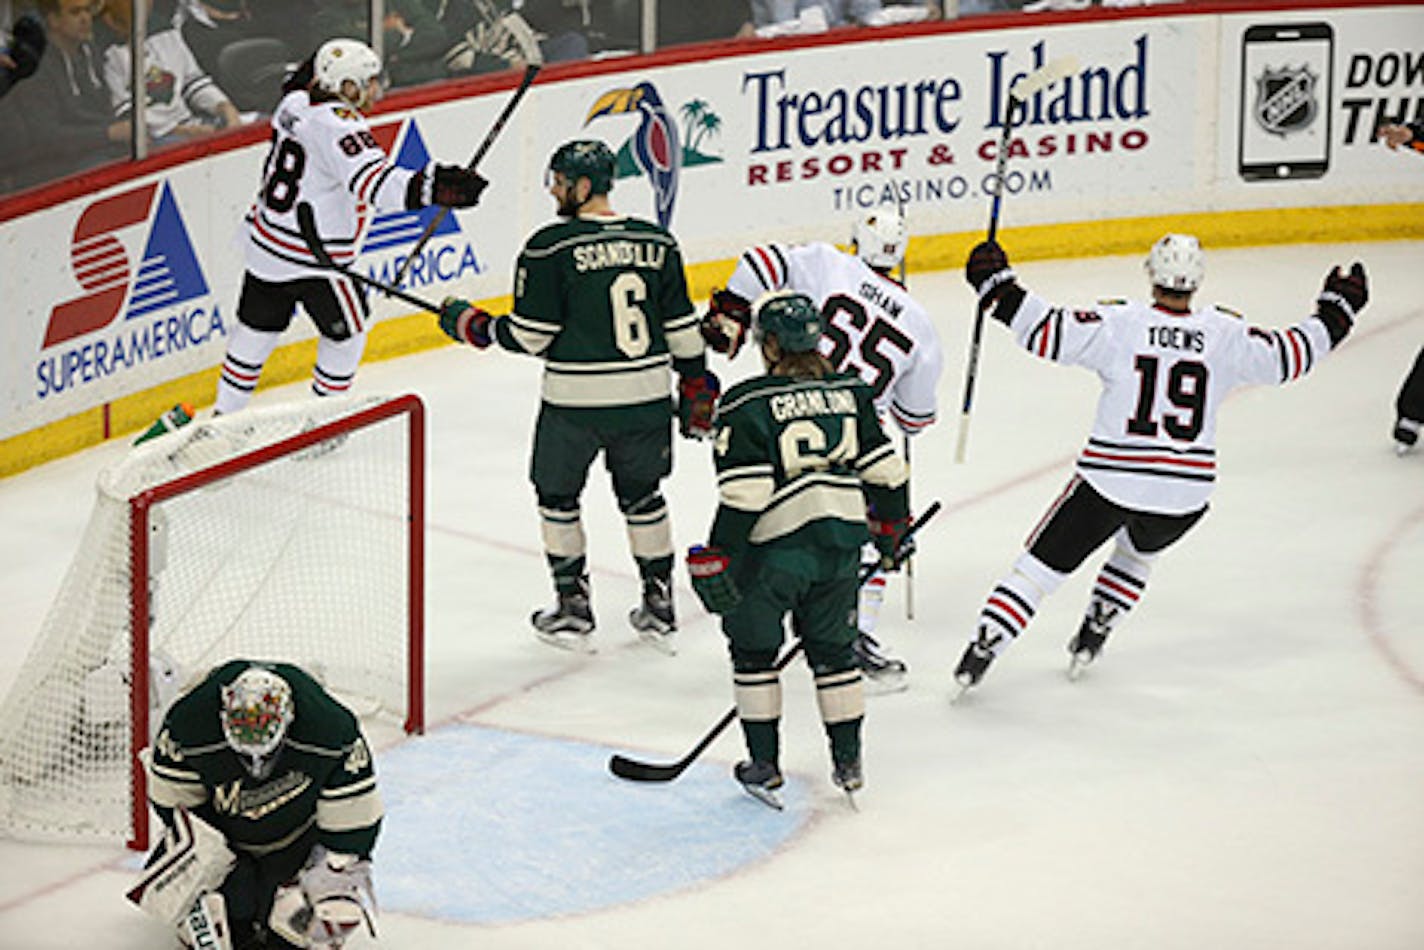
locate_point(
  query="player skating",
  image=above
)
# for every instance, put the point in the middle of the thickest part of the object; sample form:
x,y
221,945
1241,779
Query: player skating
x,y
601,297
265,785
1149,465
873,328
798,452
324,155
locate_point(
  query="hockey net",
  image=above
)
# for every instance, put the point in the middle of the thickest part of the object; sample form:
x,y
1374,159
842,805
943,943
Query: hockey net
x,y
292,532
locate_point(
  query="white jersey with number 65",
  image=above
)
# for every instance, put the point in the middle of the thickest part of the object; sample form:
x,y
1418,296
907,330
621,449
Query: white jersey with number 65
x,y
873,327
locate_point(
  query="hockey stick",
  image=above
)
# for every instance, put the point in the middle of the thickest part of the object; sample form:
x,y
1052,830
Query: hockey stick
x,y
306,224
909,561
1019,92
530,72
636,771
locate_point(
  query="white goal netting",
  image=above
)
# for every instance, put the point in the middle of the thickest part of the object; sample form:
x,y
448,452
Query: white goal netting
x,y
258,546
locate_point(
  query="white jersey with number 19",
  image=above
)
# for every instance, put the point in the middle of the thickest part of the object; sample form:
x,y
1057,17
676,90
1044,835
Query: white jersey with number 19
x,y
1164,376
323,154
873,328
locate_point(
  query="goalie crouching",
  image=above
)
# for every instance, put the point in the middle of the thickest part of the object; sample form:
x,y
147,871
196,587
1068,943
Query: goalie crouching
x,y
265,785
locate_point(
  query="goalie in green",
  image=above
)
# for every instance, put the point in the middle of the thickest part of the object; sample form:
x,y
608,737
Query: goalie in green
x,y
265,785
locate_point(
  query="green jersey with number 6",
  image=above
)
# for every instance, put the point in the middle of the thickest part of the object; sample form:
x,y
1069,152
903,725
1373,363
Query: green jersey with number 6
x,y
603,299
797,460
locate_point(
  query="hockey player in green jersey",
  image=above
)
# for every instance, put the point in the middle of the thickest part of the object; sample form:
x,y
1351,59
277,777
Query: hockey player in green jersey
x,y
265,785
602,298
800,455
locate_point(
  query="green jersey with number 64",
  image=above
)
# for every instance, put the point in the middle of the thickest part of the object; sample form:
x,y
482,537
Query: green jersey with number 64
x,y
797,461
603,299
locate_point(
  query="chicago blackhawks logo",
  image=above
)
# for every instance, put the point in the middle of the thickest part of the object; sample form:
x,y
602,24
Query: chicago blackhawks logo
x,y
1285,100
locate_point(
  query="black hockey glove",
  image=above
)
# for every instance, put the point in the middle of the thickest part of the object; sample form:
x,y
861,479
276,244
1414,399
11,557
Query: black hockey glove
x,y
711,571
697,403
1341,300
726,322
988,272
447,185
889,537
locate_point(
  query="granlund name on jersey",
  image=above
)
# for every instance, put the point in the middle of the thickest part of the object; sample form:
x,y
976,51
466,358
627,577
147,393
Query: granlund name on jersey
x,y
874,328
1164,376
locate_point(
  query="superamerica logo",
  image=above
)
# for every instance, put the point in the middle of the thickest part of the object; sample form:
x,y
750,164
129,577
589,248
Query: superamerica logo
x,y
164,297
448,256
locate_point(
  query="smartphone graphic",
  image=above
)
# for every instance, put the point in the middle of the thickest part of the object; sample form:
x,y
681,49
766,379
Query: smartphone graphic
x,y
1286,101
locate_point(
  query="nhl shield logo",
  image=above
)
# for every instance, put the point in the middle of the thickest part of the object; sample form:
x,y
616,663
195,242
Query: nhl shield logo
x,y
1286,100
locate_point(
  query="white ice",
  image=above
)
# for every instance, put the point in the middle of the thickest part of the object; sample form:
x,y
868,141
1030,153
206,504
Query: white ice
x,y
1243,769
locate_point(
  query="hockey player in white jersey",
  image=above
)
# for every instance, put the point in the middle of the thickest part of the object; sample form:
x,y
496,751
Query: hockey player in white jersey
x,y
323,154
873,328
1148,468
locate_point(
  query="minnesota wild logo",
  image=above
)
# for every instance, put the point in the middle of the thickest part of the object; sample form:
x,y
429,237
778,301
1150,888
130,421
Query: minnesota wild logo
x,y
658,148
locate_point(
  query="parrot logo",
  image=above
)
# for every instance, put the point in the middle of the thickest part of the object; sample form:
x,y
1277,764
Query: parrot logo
x,y
658,149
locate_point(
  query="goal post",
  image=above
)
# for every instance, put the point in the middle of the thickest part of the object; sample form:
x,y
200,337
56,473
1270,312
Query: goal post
x,y
293,532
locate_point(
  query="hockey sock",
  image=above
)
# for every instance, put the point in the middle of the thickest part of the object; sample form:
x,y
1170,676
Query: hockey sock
x,y
649,531
841,700
1014,600
336,362
247,351
561,525
1119,586
869,602
758,694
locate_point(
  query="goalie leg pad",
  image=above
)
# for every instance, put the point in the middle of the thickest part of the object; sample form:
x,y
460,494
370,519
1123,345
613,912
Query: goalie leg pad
x,y
192,859
205,926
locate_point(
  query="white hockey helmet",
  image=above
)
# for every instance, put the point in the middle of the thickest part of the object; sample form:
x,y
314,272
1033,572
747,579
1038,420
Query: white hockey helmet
x,y
256,712
1176,263
341,61
880,237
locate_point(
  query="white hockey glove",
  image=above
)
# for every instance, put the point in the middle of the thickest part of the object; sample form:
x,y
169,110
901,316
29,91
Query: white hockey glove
x,y
330,900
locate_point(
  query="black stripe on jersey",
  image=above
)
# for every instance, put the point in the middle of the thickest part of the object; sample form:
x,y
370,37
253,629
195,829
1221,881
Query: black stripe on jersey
x,y
775,249
1282,354
924,417
330,242
351,182
1057,346
1123,576
757,271
282,255
196,85
1147,470
1309,358
1151,449
379,183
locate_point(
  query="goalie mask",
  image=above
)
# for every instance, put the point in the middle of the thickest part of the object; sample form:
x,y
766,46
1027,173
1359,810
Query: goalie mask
x,y
790,317
256,713
339,62
880,238
1176,263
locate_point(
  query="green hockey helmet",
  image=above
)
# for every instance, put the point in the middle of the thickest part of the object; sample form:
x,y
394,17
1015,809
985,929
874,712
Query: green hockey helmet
x,y
789,316
585,158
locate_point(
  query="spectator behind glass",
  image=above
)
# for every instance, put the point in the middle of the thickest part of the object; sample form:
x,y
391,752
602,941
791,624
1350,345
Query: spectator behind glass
x,y
182,101
414,38
791,17
71,121
20,57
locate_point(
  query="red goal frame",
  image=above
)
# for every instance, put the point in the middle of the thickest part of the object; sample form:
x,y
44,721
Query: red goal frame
x,y
139,506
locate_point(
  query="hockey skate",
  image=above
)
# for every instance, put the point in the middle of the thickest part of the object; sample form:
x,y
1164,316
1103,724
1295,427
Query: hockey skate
x,y
884,673
1085,647
1406,435
762,780
972,666
849,778
568,623
654,618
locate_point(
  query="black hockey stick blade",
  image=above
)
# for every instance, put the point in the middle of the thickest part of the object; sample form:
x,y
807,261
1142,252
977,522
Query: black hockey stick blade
x,y
635,770
306,224
530,72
